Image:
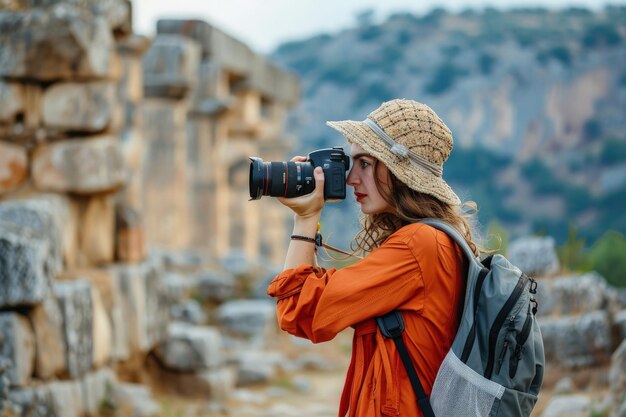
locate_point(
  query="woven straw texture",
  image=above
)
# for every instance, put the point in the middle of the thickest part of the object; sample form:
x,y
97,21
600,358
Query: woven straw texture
x,y
417,127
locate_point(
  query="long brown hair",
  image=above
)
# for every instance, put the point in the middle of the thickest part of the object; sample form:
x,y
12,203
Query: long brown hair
x,y
409,206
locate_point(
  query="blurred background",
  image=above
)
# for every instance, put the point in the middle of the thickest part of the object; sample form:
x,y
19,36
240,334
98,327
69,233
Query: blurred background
x,y
132,267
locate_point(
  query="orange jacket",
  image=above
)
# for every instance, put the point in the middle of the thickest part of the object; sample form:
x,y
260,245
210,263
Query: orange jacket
x,y
418,269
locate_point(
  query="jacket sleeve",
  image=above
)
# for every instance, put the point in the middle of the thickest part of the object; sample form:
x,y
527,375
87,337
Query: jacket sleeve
x,y
316,304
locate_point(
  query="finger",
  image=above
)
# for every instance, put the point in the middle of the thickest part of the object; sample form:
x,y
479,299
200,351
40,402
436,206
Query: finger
x,y
298,159
318,173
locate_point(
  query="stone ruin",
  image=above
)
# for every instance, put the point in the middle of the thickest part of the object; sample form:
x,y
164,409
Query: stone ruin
x,y
128,253
583,324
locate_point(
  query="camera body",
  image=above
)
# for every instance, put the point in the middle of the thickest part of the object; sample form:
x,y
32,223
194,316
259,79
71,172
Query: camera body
x,y
335,164
293,179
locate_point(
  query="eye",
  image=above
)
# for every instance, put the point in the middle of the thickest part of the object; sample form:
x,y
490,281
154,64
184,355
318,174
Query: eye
x,y
364,163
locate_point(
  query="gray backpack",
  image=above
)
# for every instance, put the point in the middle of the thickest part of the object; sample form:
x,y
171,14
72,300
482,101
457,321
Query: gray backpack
x,y
495,366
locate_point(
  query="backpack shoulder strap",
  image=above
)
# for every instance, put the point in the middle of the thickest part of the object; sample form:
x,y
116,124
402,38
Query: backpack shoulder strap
x,y
454,235
392,326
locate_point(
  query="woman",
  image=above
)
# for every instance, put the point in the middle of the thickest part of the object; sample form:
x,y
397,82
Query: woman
x,y
398,153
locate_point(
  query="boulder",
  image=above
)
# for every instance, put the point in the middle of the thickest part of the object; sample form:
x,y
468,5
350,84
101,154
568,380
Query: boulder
x,y
568,406
81,166
577,341
137,399
215,286
251,319
617,380
190,348
96,390
568,295
536,256
189,311
17,344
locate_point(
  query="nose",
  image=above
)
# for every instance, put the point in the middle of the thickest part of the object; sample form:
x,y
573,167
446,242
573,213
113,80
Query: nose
x,y
352,178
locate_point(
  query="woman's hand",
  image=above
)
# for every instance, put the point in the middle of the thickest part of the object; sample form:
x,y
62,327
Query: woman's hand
x,y
308,205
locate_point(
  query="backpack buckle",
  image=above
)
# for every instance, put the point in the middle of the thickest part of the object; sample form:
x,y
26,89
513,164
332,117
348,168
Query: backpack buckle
x,y
391,324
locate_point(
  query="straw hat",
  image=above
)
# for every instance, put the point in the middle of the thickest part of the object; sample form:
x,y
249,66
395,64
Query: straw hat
x,y
411,140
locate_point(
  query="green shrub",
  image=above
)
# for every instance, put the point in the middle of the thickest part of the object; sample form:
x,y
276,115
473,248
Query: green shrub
x,y
486,63
444,78
608,257
613,152
601,35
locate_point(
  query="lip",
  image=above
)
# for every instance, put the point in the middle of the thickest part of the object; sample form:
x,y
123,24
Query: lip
x,y
359,196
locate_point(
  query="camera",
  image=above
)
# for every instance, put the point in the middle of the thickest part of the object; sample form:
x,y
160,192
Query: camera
x,y
293,179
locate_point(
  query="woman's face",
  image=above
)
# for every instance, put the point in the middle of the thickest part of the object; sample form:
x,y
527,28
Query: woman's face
x,y
361,177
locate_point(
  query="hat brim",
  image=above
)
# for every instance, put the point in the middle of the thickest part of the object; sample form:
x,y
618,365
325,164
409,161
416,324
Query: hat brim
x,y
423,181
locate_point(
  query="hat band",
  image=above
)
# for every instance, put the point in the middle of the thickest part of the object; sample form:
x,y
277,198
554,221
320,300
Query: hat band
x,y
400,150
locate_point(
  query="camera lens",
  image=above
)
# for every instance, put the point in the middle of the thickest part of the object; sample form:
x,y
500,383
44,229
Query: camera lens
x,y
280,179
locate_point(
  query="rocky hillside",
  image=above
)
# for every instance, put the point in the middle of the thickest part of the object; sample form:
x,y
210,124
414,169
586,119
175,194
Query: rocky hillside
x,y
536,100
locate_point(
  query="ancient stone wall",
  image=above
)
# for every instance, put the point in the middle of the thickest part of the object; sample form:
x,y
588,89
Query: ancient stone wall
x,y
117,152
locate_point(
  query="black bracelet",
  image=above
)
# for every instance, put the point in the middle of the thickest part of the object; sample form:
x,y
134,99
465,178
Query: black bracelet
x,y
317,240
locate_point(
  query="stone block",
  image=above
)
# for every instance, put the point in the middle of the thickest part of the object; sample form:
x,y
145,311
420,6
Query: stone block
x,y
76,307
17,344
250,319
63,41
256,366
617,377
96,236
79,107
189,311
96,390
47,324
130,240
216,45
167,222
170,66
216,286
577,341
112,337
33,402
568,406
12,106
567,295
82,166
66,398
130,86
13,166
190,348
143,304
536,256
34,241
102,333
211,384
137,399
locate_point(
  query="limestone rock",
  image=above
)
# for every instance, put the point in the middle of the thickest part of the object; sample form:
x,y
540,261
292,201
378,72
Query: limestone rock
x,y
13,165
211,384
617,379
96,390
34,241
189,347
253,319
568,406
97,230
170,66
102,332
576,341
17,344
130,240
11,102
137,398
77,310
578,294
59,42
84,166
82,107
189,311
143,304
66,398
215,286
48,329
535,256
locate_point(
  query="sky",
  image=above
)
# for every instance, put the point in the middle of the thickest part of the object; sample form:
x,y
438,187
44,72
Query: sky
x,y
264,24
